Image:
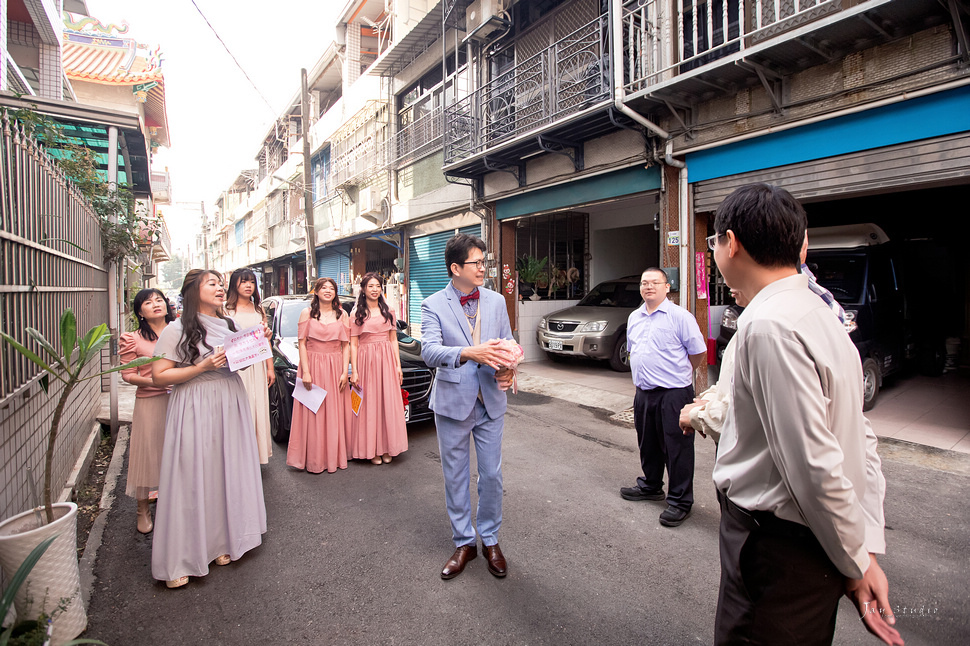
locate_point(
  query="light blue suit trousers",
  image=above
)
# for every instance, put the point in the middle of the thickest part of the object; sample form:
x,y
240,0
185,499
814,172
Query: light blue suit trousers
x,y
459,413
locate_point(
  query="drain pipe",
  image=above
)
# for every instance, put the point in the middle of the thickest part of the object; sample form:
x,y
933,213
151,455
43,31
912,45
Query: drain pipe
x,y
684,220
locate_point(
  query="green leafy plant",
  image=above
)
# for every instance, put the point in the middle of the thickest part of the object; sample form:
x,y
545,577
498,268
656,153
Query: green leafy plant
x,y
531,269
66,365
30,631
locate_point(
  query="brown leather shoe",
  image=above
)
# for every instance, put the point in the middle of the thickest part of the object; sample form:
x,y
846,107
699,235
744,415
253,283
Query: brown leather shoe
x,y
496,561
457,562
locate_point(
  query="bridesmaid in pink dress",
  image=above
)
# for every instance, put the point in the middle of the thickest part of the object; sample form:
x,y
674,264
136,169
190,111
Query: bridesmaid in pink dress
x,y
151,402
379,431
319,441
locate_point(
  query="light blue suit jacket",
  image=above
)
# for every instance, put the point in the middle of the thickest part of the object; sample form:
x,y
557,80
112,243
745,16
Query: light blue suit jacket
x,y
444,332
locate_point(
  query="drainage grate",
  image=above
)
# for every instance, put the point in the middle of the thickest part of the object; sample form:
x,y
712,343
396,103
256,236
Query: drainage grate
x,y
624,417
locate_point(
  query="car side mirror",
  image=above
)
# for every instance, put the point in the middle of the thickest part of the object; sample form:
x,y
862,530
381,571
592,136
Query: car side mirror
x,y
402,325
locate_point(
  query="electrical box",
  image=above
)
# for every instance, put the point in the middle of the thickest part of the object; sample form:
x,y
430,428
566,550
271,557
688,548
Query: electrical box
x,y
673,275
482,17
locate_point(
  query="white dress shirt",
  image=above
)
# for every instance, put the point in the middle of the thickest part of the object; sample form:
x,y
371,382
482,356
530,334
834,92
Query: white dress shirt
x,y
795,442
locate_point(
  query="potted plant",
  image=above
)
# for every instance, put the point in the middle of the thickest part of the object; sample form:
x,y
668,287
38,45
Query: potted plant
x,y
54,581
532,270
30,631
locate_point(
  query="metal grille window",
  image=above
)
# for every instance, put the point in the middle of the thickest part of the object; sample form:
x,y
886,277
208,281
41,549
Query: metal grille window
x,y
419,109
276,208
558,244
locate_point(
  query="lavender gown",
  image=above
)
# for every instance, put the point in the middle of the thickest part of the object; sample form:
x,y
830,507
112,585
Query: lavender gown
x,y
210,494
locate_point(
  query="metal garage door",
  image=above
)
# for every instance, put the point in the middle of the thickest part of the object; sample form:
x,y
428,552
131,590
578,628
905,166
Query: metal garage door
x,y
426,269
912,165
334,262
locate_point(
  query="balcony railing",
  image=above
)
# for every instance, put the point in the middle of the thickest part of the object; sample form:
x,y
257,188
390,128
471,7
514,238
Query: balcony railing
x,y
417,139
705,31
565,78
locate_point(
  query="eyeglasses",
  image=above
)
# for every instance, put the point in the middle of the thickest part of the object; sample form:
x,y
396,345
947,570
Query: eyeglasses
x,y
480,264
712,240
655,283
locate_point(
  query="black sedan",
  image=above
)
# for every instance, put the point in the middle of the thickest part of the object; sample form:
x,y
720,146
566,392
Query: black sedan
x,y
283,313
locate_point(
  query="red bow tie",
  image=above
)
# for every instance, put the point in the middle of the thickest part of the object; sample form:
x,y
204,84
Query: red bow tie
x,y
470,297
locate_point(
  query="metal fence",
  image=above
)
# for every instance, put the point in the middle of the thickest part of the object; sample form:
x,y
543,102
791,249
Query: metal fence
x,y
50,245
50,260
566,77
662,39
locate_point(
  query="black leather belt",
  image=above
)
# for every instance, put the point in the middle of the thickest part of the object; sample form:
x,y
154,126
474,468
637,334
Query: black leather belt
x,y
763,521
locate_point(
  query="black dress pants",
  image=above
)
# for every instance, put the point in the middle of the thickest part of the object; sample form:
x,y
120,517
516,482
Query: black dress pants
x,y
656,415
777,584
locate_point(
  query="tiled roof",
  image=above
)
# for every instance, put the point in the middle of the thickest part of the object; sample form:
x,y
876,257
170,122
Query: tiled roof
x,y
108,60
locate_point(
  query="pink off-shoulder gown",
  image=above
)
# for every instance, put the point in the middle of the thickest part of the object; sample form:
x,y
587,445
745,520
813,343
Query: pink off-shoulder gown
x,y
318,441
380,426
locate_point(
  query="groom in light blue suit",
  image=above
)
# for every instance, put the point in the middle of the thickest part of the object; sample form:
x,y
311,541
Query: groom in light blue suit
x,y
460,328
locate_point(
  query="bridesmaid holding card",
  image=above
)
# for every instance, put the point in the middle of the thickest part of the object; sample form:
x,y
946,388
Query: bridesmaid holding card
x,y
318,441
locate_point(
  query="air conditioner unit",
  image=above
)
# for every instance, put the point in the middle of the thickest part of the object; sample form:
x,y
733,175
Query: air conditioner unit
x,y
483,17
369,201
297,232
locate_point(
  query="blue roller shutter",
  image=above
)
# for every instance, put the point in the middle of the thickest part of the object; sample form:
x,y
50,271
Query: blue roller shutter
x,y
334,262
426,269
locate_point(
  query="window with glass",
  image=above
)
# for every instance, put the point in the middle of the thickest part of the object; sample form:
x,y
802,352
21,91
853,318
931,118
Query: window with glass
x,y
551,256
419,107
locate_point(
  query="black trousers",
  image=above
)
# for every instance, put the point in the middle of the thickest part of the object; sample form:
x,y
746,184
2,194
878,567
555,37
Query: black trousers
x,y
656,415
777,584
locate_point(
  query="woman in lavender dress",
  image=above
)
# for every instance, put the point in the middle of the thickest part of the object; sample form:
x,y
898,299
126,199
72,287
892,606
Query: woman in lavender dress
x,y
210,496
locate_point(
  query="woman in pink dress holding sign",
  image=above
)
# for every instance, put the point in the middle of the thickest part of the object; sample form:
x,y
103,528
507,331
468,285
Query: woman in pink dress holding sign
x,y
242,305
379,431
318,441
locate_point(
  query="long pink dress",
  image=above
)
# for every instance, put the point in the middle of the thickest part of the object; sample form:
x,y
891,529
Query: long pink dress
x,y
148,419
319,441
380,426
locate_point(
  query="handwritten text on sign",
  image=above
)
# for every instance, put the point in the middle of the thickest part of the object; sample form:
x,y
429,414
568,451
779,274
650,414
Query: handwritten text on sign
x,y
247,347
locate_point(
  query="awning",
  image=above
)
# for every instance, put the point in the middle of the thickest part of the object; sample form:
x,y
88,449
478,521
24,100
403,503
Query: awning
x,y
417,41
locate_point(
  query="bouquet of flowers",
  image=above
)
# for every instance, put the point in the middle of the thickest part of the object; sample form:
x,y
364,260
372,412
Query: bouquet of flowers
x,y
515,354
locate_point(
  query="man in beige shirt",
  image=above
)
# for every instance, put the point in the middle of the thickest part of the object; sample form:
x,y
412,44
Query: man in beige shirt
x,y
797,474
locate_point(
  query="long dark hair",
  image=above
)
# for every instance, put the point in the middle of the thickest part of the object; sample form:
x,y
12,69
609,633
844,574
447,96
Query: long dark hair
x,y
193,332
362,310
144,327
315,303
232,294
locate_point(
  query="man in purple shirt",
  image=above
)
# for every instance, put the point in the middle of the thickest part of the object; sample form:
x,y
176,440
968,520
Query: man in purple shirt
x,y
666,346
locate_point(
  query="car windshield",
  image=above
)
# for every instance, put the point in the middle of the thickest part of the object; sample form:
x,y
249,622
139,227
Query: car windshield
x,y
290,317
613,295
842,274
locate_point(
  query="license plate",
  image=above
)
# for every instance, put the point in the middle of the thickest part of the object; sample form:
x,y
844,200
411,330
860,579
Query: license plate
x,y
407,413
555,345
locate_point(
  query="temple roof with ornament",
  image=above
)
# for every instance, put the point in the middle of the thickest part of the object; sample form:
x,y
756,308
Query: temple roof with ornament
x,y
93,52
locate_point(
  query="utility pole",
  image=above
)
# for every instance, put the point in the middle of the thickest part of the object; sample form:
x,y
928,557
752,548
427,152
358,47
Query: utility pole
x,y
311,259
114,291
205,236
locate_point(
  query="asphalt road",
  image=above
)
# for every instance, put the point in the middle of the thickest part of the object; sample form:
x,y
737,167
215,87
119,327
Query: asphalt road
x,y
354,557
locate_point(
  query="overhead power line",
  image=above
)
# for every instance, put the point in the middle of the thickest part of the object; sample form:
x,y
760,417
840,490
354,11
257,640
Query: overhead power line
x,y
234,60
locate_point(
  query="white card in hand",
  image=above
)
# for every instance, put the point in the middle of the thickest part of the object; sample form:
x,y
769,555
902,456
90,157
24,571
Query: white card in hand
x,y
312,398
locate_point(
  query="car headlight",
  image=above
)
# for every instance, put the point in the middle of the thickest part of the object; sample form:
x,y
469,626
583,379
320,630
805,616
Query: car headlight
x,y
850,324
594,326
729,319
542,323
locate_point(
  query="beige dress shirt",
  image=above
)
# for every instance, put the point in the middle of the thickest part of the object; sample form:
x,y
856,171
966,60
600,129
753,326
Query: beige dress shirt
x,y
795,442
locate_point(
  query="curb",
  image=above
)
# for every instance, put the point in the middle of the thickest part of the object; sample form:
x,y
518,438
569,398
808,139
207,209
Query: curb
x,y
95,536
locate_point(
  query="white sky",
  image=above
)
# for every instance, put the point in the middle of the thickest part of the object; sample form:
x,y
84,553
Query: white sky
x,y
216,120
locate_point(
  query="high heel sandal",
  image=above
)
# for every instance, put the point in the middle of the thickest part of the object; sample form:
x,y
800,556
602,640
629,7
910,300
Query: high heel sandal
x,y
177,583
223,560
